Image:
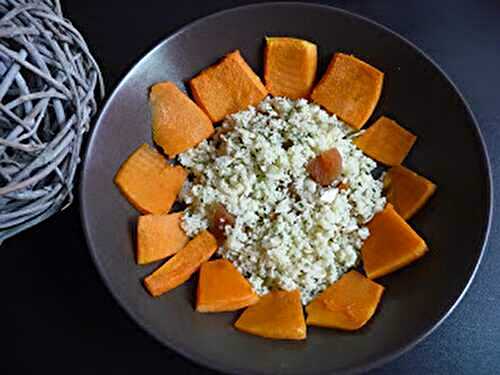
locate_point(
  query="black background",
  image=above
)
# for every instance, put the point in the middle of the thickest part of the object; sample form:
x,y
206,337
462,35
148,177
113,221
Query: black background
x,y
58,317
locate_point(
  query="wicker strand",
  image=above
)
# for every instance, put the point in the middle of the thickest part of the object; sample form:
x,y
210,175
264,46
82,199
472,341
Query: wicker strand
x,y
48,80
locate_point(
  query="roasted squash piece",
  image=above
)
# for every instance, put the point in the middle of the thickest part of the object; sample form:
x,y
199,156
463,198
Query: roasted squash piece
x,y
392,244
149,182
386,141
347,304
227,87
406,190
325,167
182,265
222,288
290,66
178,123
350,88
277,315
159,236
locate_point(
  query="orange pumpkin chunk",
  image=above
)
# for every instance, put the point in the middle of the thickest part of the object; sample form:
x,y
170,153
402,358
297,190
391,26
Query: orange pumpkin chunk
x,y
407,191
290,67
149,182
392,244
277,315
222,288
350,88
227,87
386,141
347,304
325,167
178,123
182,265
159,236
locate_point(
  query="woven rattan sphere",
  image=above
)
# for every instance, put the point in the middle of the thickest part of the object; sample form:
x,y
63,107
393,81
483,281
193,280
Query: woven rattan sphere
x,y
48,80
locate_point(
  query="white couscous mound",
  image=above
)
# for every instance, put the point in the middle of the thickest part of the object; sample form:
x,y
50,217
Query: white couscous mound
x,y
290,232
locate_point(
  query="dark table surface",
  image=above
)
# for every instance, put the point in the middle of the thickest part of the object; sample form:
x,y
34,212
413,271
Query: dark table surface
x,y
59,317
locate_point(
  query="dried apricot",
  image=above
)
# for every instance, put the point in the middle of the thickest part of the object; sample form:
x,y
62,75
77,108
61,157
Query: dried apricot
x,y
220,219
326,167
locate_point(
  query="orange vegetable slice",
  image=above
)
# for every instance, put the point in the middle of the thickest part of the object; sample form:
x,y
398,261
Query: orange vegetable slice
x,y
290,66
277,315
149,182
407,191
392,244
222,288
325,167
347,304
178,123
350,88
227,87
386,141
182,265
159,236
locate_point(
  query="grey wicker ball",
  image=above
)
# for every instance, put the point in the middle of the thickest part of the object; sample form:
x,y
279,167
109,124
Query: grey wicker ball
x,y
48,82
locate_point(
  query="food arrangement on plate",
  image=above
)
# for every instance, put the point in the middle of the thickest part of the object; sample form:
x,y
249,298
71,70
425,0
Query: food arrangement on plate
x,y
287,194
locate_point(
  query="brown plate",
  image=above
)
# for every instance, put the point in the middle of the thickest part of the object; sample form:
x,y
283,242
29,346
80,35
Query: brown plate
x,y
449,151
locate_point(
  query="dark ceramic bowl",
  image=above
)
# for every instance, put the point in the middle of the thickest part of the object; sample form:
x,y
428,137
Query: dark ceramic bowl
x,y
416,93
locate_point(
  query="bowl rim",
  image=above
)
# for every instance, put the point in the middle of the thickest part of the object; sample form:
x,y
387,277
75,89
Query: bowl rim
x,y
208,362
